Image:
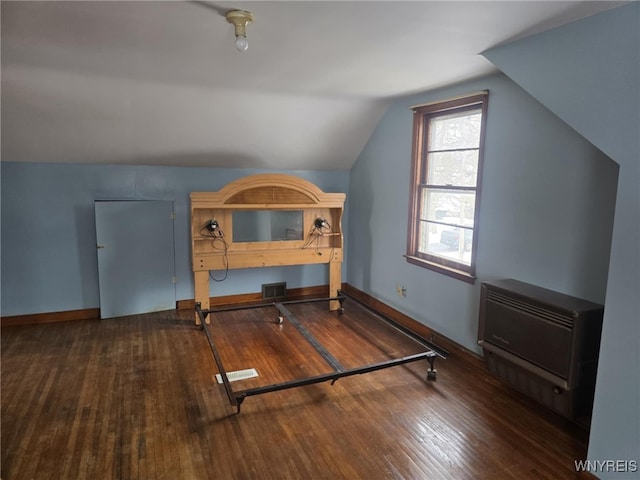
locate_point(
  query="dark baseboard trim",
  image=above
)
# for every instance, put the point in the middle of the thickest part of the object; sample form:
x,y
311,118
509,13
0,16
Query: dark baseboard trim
x,y
317,291
416,327
37,318
242,298
189,304
320,291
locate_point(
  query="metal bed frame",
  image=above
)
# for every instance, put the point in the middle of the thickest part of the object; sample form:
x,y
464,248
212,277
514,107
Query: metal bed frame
x,y
237,397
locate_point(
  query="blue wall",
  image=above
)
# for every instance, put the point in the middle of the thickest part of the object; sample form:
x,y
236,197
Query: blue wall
x,y
546,211
588,73
49,260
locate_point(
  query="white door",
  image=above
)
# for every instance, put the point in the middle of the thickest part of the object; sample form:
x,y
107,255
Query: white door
x,y
136,267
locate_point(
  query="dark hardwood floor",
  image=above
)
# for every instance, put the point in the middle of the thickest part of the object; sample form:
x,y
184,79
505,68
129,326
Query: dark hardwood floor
x,y
135,398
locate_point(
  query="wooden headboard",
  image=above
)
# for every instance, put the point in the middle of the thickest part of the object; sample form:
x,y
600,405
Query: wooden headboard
x,y
316,236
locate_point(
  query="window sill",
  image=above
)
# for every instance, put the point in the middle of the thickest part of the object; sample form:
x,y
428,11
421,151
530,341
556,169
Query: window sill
x,y
436,267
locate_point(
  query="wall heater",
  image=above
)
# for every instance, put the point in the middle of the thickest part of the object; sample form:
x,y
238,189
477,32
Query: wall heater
x,y
543,343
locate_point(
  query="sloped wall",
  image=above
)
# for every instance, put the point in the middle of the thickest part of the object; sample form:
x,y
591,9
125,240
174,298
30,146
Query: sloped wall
x,y
588,73
546,211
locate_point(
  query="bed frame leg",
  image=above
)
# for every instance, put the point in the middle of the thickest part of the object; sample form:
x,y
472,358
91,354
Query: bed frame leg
x,y
200,314
341,301
239,404
432,373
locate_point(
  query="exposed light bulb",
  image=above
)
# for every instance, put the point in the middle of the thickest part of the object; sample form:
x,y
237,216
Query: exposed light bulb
x,y
240,19
242,44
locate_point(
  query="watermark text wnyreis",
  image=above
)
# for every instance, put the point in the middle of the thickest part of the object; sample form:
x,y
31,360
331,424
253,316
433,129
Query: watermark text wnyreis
x,y
606,466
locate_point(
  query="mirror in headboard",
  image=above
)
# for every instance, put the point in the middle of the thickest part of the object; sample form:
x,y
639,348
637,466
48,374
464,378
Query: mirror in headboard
x,y
265,220
266,225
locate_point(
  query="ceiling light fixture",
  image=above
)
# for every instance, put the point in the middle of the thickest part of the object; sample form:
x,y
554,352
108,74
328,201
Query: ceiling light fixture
x,y
240,19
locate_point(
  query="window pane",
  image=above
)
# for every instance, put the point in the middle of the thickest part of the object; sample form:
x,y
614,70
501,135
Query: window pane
x,y
455,130
446,171
453,168
452,243
448,206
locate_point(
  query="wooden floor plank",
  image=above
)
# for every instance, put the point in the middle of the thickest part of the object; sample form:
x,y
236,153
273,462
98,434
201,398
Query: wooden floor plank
x,y
135,398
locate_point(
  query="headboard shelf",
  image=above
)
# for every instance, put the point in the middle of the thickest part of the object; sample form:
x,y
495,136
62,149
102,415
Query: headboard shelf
x,y
265,220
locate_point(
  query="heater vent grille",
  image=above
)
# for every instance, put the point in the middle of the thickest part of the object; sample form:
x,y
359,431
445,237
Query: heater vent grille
x,y
560,319
238,375
272,291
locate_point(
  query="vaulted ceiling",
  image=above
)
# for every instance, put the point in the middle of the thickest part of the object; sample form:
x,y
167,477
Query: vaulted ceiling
x,y
161,83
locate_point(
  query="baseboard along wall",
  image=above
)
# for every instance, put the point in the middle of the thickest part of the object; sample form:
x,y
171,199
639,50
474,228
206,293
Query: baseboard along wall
x,y
317,291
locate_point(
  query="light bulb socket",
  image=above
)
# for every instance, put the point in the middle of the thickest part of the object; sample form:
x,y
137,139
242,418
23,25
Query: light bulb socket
x,y
320,223
240,19
211,225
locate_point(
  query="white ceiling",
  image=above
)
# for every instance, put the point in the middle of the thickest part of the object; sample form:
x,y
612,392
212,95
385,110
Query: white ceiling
x,y
160,83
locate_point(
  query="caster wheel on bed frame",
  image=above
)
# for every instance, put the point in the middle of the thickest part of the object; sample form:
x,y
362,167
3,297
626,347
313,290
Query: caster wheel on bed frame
x,y
432,375
279,320
340,311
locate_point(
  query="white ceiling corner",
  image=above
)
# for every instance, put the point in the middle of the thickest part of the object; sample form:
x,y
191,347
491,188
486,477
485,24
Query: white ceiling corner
x,y
160,82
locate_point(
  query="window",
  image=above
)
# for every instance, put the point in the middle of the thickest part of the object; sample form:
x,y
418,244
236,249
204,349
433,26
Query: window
x,y
448,139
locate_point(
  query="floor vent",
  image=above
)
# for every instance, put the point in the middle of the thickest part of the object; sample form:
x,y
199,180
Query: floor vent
x,y
272,291
238,375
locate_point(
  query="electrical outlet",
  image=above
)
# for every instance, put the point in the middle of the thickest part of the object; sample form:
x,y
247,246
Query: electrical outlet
x,y
401,290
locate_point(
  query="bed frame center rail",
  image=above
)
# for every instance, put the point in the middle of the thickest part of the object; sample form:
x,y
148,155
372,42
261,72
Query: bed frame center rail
x,y
330,359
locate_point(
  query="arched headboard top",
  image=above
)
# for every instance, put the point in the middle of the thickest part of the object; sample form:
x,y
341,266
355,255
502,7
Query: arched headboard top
x,y
270,190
